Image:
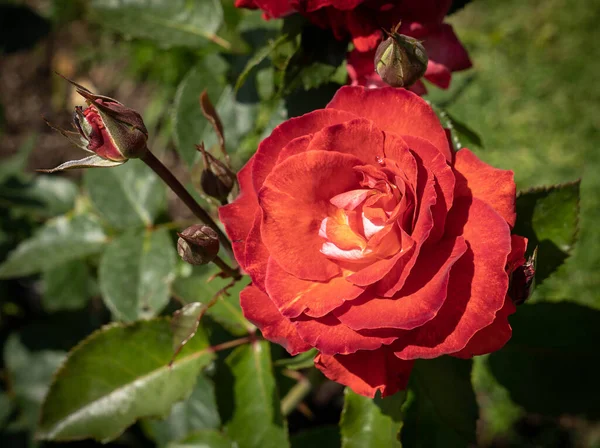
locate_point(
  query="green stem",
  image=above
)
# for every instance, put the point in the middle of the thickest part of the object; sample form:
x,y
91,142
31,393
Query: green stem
x,y
295,396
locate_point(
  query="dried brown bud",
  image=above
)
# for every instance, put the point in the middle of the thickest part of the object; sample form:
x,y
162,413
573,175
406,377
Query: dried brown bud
x,y
400,60
217,180
198,244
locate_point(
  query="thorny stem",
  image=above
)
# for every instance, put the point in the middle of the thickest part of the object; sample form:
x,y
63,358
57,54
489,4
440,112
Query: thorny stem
x,y
157,166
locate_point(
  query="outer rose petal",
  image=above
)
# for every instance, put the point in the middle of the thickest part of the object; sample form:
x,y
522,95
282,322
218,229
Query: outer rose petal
x,y
478,284
256,254
444,48
295,200
494,336
366,372
419,300
493,186
272,8
294,296
331,337
259,310
266,156
237,216
394,110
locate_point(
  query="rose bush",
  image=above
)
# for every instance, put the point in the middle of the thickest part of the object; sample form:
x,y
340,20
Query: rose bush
x,y
366,237
362,21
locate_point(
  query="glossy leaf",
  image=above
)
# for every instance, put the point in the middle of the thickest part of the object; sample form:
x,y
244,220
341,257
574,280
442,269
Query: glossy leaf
x,y
136,272
551,364
196,287
130,195
66,287
549,218
117,375
203,439
60,240
197,412
371,423
444,392
256,421
173,23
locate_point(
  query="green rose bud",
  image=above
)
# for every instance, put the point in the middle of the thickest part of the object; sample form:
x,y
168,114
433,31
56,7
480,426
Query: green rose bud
x,y
400,60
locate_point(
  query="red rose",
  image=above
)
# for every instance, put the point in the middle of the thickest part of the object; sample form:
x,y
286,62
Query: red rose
x,y
366,237
362,21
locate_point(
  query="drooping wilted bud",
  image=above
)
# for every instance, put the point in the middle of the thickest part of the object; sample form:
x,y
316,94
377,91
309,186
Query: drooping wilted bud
x,y
400,60
198,244
216,180
522,280
112,132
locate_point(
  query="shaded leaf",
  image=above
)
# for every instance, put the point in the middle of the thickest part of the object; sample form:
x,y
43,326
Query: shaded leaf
x,y
130,195
60,240
444,398
323,436
173,23
302,361
256,421
136,272
199,411
462,135
551,364
549,218
66,287
203,439
371,423
117,375
195,287
30,373
260,55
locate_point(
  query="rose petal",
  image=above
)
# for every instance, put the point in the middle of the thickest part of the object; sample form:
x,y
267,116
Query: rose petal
x,y
358,137
394,110
477,288
295,200
293,296
236,216
256,254
366,372
419,300
331,337
259,310
268,150
493,186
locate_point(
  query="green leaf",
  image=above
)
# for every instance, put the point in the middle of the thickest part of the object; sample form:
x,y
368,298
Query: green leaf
x,y
256,421
66,287
30,373
117,375
136,272
6,408
171,23
130,195
195,287
15,164
203,439
260,55
461,134
371,423
199,411
301,361
323,436
549,218
60,240
551,364
190,126
57,194
444,385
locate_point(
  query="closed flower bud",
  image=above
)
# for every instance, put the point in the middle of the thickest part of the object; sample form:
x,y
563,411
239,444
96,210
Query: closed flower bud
x,y
198,244
217,180
112,132
400,60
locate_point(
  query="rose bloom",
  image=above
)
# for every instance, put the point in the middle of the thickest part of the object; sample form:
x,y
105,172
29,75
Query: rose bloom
x,y
369,239
362,21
